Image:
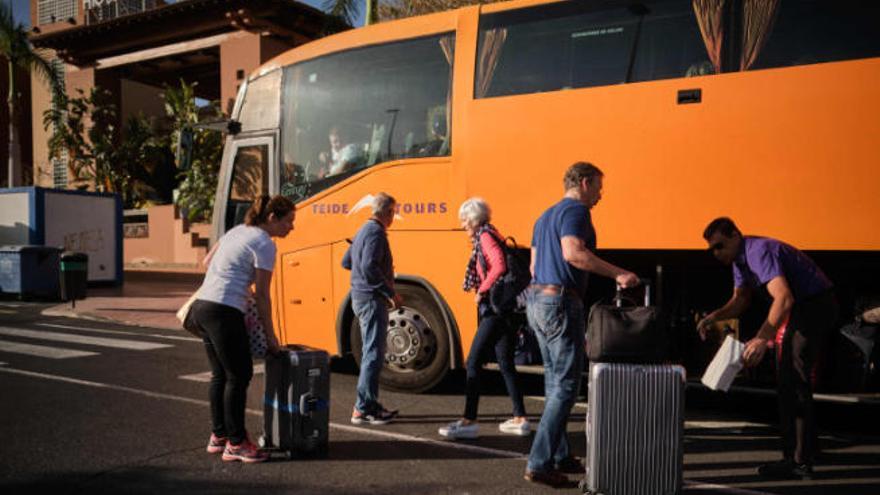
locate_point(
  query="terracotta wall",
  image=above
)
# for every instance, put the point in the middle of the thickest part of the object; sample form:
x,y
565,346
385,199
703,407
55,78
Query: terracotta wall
x,y
171,242
40,102
138,97
240,56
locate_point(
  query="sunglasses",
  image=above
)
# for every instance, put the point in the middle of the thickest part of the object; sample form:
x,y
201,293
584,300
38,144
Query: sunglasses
x,y
716,247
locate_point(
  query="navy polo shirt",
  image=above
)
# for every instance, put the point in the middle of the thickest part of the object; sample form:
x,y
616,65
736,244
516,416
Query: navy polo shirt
x,y
566,218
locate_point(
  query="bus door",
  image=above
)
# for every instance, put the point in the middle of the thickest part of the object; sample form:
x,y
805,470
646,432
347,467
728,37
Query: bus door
x,y
252,161
307,296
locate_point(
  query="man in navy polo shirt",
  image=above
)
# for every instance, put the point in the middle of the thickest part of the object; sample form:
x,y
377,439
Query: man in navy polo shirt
x,y
563,245
803,297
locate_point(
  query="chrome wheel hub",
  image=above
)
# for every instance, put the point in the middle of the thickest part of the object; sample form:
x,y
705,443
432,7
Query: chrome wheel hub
x,y
411,343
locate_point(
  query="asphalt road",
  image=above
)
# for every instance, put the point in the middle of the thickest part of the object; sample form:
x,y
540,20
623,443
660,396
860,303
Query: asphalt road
x,y
125,411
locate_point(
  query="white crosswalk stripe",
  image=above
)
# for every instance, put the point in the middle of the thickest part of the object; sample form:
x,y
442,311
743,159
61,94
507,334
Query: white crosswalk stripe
x,y
206,376
122,332
42,350
82,339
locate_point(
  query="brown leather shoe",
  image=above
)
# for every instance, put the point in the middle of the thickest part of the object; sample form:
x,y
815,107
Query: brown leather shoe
x,y
571,465
550,478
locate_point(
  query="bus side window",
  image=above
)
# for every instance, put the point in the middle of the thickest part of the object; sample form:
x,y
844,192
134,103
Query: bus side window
x,y
250,180
813,31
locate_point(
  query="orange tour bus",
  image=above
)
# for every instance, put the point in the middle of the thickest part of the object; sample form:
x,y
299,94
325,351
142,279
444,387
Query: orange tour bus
x,y
767,112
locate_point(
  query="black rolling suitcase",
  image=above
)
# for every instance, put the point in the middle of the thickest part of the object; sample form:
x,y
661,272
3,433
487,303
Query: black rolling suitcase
x,y
296,411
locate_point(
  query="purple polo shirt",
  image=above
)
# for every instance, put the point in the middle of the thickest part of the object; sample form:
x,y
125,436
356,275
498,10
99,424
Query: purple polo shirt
x,y
762,259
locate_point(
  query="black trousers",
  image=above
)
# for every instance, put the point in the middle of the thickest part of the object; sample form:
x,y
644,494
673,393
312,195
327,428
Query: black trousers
x,y
493,332
226,343
809,326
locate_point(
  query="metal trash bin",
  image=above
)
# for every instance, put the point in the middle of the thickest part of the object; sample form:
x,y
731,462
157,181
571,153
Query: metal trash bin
x,y
74,276
29,271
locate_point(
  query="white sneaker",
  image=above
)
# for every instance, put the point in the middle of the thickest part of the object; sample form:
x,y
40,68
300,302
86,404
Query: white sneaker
x,y
456,430
520,429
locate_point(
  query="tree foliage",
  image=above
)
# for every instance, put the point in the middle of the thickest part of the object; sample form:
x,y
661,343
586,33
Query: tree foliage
x,y
20,54
198,185
386,10
85,127
399,9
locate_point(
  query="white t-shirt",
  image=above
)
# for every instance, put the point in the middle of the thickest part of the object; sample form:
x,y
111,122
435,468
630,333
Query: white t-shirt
x,y
233,269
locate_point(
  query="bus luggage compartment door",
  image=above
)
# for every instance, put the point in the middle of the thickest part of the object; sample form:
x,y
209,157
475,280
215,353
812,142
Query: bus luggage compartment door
x,y
306,299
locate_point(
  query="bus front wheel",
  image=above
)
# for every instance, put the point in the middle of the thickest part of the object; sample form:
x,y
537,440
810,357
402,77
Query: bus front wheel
x,y
417,343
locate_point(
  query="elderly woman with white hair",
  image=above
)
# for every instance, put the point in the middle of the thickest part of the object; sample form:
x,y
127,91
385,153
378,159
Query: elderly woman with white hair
x,y
485,267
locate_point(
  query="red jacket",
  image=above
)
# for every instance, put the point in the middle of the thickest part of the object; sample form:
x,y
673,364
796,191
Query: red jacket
x,y
495,264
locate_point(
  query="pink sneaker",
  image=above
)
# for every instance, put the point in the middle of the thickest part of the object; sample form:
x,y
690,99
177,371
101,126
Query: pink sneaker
x,y
245,452
216,444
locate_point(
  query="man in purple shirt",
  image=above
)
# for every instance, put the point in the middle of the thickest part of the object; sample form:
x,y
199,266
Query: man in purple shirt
x,y
803,303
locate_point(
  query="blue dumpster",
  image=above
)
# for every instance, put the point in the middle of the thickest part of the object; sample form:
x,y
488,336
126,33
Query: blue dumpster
x,y
29,271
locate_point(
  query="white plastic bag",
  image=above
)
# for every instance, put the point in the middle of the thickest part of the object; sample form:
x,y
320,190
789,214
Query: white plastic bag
x,y
725,365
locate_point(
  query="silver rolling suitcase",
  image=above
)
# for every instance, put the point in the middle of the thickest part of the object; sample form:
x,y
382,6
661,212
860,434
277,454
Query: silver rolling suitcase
x,y
296,412
635,429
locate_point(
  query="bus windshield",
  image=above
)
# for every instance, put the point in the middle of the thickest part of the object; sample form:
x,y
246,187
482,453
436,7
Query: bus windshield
x,y
351,110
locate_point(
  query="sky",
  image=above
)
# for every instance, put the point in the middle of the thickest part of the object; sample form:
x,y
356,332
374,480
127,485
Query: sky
x,y
21,10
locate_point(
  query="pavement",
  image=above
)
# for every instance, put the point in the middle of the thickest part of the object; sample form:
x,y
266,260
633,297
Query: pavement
x,y
145,299
131,403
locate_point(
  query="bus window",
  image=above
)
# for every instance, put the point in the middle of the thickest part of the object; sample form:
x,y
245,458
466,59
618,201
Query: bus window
x,y
250,180
260,109
810,32
348,111
577,44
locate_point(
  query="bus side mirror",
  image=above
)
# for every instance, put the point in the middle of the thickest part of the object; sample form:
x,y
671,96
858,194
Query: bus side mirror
x,y
233,127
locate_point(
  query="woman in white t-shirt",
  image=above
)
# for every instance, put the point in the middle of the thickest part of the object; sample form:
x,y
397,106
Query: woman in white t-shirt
x,y
244,256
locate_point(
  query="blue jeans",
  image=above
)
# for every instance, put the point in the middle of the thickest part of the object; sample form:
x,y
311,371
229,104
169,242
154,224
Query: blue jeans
x,y
372,313
559,324
493,332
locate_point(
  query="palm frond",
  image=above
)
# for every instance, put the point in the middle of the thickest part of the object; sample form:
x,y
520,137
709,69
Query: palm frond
x,y
347,10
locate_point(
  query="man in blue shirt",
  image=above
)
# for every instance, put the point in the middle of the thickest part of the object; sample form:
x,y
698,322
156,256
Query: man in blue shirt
x,y
805,308
372,293
563,245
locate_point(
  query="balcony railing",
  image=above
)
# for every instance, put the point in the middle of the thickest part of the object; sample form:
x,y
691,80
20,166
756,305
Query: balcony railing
x,y
104,10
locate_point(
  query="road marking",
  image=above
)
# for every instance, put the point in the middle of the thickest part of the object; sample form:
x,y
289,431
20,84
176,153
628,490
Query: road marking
x,y
688,424
412,438
121,332
694,484
717,425
336,426
8,311
11,305
699,485
81,339
206,376
42,351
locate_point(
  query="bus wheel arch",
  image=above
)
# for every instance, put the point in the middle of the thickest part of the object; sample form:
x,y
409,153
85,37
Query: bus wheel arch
x,y
423,342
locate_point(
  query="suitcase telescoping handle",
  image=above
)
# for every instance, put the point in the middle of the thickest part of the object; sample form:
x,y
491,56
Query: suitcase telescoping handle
x,y
619,297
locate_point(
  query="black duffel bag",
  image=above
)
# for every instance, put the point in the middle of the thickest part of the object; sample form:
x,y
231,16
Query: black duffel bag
x,y
623,332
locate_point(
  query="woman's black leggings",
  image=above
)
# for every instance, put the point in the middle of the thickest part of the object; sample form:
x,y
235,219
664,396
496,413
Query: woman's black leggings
x,y
226,343
493,332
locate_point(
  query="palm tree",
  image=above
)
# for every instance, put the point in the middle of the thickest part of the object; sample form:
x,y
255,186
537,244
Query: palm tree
x,y
20,54
347,10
